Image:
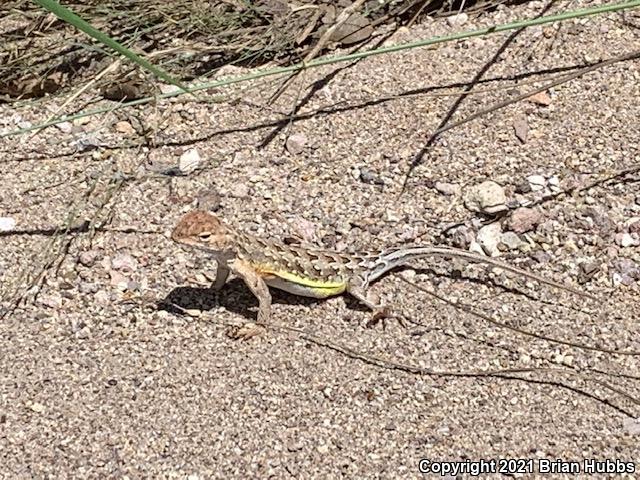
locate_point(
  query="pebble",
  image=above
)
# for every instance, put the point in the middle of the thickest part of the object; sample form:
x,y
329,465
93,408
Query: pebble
x,y
554,183
7,224
521,128
64,127
124,127
189,161
209,199
588,270
537,182
86,287
240,190
295,143
601,218
306,229
524,219
541,256
83,333
475,247
87,142
633,225
446,188
294,446
489,238
102,298
632,425
523,187
571,246
626,271
369,176
461,236
88,258
511,240
118,280
626,239
486,197
36,407
540,98
124,262
458,20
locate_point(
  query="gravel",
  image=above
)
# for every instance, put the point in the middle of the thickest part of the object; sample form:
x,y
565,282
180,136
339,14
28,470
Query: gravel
x,y
103,375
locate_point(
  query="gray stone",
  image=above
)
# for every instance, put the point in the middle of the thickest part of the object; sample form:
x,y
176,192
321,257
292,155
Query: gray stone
x,y
486,197
446,188
511,240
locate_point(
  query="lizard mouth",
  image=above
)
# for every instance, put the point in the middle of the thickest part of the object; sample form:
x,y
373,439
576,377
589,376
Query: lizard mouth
x,y
217,254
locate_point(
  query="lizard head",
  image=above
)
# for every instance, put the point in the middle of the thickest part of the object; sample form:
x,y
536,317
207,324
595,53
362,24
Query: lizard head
x,y
203,230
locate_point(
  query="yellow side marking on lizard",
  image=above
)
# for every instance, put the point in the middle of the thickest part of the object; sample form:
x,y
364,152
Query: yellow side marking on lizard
x,y
322,287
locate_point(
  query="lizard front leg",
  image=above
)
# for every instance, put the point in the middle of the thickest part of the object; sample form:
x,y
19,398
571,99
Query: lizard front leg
x,y
260,290
222,273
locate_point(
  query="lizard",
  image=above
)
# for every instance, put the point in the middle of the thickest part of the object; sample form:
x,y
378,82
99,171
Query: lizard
x,y
308,272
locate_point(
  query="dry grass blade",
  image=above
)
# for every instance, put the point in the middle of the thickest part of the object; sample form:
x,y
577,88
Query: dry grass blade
x,y
521,331
563,79
320,45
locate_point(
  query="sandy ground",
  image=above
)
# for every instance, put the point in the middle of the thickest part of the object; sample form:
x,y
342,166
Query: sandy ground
x,y
102,375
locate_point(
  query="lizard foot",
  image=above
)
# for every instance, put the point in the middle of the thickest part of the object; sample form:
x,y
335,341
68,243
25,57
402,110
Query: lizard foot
x,y
246,331
382,314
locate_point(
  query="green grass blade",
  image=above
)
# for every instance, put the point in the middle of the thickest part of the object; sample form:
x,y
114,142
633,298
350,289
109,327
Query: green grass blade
x,y
68,16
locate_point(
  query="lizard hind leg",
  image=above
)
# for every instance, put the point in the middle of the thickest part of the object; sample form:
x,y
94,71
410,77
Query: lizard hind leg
x,y
379,312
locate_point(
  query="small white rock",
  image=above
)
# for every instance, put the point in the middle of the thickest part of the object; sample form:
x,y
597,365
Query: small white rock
x,y
446,188
189,161
627,239
118,280
296,143
489,238
632,425
36,407
554,183
64,127
240,190
167,89
391,216
458,20
475,247
7,224
537,182
102,298
487,197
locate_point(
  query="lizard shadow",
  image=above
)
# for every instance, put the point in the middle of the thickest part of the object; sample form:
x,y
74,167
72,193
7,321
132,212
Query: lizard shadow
x,y
234,297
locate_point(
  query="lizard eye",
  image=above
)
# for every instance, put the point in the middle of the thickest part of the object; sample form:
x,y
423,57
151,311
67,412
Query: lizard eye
x,y
204,235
